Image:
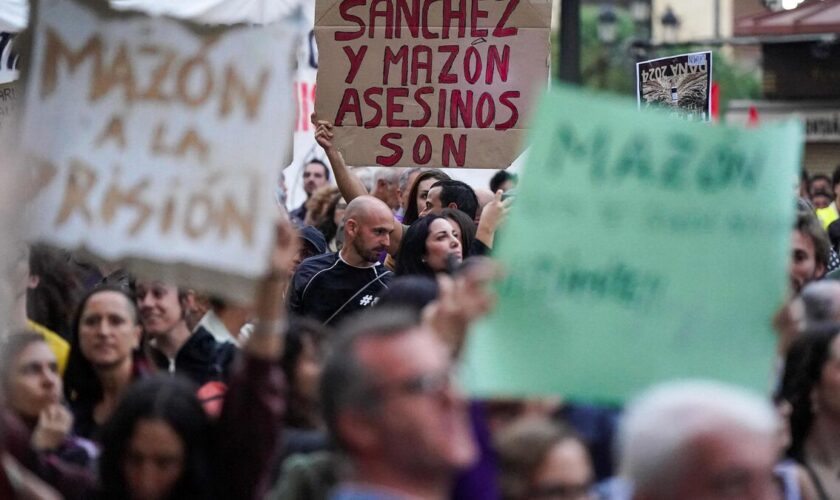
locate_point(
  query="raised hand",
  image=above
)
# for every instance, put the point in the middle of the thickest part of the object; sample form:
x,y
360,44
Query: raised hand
x,y
54,424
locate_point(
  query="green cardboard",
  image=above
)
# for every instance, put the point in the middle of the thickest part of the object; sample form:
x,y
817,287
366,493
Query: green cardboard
x,y
640,248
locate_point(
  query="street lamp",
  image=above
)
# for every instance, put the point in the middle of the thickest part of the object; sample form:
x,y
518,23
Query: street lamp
x,y
640,11
607,25
671,24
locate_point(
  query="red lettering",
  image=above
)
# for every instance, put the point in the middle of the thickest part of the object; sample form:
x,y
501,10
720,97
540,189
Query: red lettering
x,y
427,110
355,61
475,14
349,104
501,30
475,57
390,58
445,75
377,117
514,113
408,17
390,161
484,118
424,20
417,64
495,61
462,108
387,16
450,14
422,159
449,149
300,105
441,108
392,107
344,12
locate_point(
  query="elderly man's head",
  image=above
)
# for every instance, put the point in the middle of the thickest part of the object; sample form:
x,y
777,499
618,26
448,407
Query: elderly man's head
x,y
390,403
699,440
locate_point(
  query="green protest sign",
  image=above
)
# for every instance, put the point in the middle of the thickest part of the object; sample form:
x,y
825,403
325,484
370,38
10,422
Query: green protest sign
x,y
640,248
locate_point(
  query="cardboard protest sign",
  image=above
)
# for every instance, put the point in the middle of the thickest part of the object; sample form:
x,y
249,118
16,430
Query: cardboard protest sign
x,y
638,253
156,143
445,83
681,84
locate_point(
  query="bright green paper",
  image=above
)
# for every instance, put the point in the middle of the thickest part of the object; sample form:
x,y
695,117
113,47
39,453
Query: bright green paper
x,y
640,248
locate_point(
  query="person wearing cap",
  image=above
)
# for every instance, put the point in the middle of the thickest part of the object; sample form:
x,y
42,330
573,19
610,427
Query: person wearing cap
x,y
313,243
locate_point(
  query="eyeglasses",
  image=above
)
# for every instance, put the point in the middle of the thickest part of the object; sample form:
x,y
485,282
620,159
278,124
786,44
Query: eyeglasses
x,y
427,384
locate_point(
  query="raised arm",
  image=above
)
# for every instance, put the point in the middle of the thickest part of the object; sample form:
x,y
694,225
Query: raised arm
x,y
349,185
492,216
250,424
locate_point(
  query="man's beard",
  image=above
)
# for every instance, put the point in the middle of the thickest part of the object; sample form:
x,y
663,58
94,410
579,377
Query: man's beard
x,y
370,256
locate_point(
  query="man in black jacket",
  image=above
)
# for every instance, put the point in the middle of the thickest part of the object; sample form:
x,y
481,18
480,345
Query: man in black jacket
x,y
331,286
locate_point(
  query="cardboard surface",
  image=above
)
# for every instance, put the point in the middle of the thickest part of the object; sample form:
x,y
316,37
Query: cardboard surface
x,y
419,86
155,143
636,254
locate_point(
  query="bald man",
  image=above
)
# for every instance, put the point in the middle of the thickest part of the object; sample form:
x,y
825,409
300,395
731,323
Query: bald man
x,y
331,286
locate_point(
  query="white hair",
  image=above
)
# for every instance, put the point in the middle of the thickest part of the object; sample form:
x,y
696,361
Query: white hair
x,y
390,175
658,425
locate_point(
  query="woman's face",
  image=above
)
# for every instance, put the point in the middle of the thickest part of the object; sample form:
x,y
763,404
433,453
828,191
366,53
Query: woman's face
x,y
423,192
34,381
154,460
108,331
441,243
827,392
308,371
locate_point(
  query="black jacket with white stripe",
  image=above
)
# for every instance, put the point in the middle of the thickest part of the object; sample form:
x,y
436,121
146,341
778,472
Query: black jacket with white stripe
x,y
326,288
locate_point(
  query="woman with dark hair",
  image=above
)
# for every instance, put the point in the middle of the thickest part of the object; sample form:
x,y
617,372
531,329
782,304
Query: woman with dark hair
x,y
419,192
431,245
304,429
54,289
160,444
466,227
159,429
302,362
105,357
811,384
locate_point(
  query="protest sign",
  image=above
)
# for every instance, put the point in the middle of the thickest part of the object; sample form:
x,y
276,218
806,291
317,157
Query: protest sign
x,y
445,83
681,84
640,248
155,142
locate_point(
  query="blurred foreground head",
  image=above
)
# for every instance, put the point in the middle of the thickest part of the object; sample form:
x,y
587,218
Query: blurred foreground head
x,y
390,404
699,440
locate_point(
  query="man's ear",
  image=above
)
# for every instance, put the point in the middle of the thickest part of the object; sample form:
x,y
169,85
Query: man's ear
x,y
452,205
357,432
351,227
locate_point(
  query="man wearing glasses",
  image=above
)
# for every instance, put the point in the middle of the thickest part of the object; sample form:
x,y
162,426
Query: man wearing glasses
x,y
390,404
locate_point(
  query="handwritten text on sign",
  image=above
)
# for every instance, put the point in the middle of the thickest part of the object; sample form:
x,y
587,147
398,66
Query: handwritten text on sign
x,y
441,83
149,141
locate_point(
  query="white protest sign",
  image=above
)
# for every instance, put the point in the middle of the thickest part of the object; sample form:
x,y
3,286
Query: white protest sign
x,y
157,143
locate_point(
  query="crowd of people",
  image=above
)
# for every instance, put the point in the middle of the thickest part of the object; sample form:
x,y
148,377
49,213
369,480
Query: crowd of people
x,y
337,380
